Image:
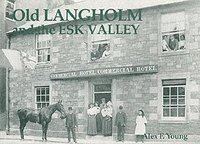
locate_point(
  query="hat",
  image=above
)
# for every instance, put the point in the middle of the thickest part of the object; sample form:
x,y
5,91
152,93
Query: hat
x,y
120,107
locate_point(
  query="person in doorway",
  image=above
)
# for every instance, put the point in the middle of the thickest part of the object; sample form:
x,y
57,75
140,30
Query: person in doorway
x,y
120,122
107,119
103,103
92,127
71,124
140,129
98,117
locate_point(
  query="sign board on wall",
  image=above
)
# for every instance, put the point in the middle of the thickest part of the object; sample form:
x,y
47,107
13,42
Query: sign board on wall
x,y
105,72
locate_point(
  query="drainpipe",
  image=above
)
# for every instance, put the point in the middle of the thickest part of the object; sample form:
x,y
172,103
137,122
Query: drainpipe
x,y
8,93
7,101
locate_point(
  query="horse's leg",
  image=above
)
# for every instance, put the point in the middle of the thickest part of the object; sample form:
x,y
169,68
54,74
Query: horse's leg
x,y
22,126
43,129
46,128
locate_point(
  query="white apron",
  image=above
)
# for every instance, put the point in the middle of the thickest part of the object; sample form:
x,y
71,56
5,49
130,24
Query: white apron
x,y
140,125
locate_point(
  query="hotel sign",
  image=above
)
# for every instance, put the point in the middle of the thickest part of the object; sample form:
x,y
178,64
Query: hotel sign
x,y
105,72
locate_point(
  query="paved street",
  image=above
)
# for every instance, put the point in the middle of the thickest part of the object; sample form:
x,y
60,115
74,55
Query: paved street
x,y
14,139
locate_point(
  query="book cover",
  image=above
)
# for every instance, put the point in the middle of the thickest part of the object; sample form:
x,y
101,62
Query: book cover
x,y
99,71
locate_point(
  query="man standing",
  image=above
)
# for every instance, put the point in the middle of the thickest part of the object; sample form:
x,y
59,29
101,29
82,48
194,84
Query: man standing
x,y
71,124
120,122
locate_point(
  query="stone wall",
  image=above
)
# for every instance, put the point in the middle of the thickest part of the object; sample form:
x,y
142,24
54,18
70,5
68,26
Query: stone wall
x,y
71,53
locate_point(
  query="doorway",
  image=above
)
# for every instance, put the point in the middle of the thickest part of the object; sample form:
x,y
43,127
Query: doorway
x,y
102,94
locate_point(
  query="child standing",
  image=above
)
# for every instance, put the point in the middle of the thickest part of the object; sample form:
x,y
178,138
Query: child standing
x,y
120,122
140,129
71,124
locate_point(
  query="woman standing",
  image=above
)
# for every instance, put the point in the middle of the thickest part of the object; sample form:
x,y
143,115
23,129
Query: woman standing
x,y
140,129
107,120
91,128
98,117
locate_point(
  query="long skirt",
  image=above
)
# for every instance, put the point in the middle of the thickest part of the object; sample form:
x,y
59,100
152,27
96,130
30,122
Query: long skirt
x,y
107,126
99,122
92,127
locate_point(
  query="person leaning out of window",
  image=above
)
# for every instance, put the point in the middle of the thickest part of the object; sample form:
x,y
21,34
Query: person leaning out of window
x,y
173,43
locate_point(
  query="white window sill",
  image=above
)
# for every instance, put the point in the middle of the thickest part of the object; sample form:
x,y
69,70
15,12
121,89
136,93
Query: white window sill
x,y
174,53
175,121
43,65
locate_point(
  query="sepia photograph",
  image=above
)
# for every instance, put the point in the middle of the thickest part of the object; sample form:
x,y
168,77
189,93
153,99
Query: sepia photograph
x,y
99,71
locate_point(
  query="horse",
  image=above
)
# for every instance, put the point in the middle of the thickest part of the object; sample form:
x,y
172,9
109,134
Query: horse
x,y
43,117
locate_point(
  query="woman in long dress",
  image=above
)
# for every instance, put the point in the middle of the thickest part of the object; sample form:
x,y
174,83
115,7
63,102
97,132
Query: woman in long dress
x,y
91,128
140,129
107,120
98,117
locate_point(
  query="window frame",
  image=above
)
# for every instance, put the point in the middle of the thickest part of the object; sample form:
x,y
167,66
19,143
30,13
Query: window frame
x,y
35,95
43,48
170,118
171,53
101,92
169,33
92,41
14,5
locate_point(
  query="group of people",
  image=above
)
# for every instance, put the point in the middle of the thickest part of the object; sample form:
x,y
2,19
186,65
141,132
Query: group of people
x,y
172,43
100,122
100,118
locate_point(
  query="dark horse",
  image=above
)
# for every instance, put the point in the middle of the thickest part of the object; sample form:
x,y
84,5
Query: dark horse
x,y
43,117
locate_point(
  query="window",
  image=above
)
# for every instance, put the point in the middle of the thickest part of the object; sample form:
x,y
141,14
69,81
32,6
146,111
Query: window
x,y
174,95
100,44
42,96
10,7
43,45
173,32
102,91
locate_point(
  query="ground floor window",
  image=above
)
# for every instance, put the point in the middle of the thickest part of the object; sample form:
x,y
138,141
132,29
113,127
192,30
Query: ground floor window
x,y
42,96
174,98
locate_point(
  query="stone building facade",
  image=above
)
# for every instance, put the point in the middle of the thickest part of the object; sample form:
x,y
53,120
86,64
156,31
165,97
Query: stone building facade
x,y
7,23
142,71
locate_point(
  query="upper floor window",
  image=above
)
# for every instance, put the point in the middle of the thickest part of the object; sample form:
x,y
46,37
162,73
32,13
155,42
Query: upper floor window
x,y
43,45
173,32
42,96
174,99
10,7
100,44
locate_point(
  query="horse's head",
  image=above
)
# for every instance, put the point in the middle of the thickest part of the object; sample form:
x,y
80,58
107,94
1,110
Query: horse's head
x,y
60,108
